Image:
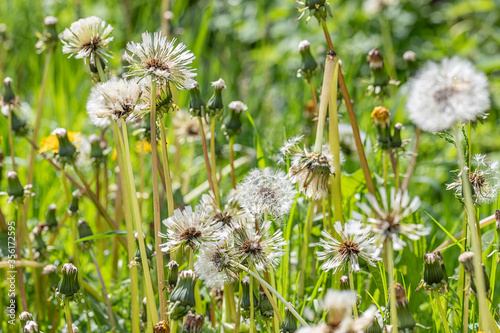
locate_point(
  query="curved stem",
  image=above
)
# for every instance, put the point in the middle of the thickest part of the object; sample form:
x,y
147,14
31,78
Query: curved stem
x,y
274,292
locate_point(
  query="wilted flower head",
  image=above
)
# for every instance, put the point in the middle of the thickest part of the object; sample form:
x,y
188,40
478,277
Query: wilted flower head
x,y
215,263
227,216
31,326
258,248
87,38
187,129
118,98
442,95
387,217
161,59
375,59
485,180
356,242
266,191
25,316
49,38
188,228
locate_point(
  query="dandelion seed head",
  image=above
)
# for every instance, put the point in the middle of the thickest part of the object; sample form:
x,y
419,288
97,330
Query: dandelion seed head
x,y
446,93
50,20
219,84
303,45
238,106
215,264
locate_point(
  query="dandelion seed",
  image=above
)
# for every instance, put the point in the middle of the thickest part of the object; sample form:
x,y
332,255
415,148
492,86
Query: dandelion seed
x,y
215,263
356,242
266,191
257,247
87,38
188,228
485,180
447,93
161,59
387,219
117,98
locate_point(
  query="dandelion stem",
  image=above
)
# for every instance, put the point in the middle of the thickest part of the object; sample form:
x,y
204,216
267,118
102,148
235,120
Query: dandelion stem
x,y
156,198
305,248
237,319
442,312
330,64
274,292
413,161
67,311
252,306
104,291
231,161
11,140
273,303
313,96
207,160
22,287
352,118
485,316
392,289
351,285
465,307
214,163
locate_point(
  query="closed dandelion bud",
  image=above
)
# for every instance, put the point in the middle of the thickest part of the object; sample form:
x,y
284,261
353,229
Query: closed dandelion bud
x,y
375,59
182,297
443,268
97,149
24,317
19,126
344,282
39,243
8,95
50,217
15,190
233,123
406,323
289,324
374,327
396,141
308,65
266,309
245,297
84,231
215,106
486,281
73,206
193,323
173,269
466,259
68,286
161,327
317,8
51,272
433,273
67,151
31,327
196,105
144,313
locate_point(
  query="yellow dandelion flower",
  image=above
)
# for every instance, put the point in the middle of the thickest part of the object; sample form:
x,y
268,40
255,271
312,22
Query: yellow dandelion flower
x,y
381,116
114,155
143,146
52,143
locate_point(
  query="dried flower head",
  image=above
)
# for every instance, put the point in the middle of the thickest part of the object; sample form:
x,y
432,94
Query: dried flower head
x,y
31,326
161,59
116,98
356,242
387,217
258,248
485,180
186,128
87,38
215,264
442,95
266,191
188,228
226,217
375,59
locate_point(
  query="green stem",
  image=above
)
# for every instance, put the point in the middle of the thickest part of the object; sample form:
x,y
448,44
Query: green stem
x,y
305,249
100,71
392,290
465,309
11,140
104,291
485,316
252,306
351,285
213,158
186,179
68,316
442,312
274,292
207,160
231,161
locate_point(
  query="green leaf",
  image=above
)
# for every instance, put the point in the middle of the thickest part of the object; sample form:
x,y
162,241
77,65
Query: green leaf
x,y
104,235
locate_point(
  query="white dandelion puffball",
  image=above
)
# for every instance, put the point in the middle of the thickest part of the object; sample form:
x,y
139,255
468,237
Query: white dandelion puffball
x,y
444,94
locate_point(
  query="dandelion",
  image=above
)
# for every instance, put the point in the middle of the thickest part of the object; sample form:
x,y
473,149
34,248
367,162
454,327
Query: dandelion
x,y
52,143
266,191
215,264
228,216
233,124
15,191
161,59
355,243
117,98
186,128
387,218
87,38
188,228
47,40
447,93
257,247
485,180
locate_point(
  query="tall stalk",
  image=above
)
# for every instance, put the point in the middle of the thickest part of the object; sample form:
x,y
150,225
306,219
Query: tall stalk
x,y
67,312
231,161
11,140
389,251
213,160
486,322
207,160
104,291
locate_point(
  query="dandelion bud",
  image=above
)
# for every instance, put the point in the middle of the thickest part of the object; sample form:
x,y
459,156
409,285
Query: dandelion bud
x,y
196,105
49,39
233,123
39,243
31,327
466,259
375,59
266,309
339,305
51,272
308,66
182,297
84,231
409,56
396,141
344,282
97,149
245,297
15,190
382,120
374,327
486,281
144,312
289,324
173,268
50,217
443,268
161,327
215,105
68,286
67,151
73,206
405,318
433,272
24,317
193,323
8,96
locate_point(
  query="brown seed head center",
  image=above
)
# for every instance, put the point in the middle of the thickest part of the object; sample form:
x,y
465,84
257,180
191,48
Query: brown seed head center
x,y
349,248
251,247
190,234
